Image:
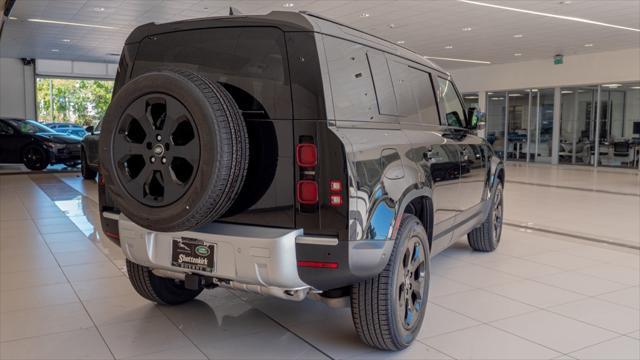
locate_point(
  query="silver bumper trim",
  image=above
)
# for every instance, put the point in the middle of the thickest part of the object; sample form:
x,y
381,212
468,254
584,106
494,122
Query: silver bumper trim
x,y
249,255
317,240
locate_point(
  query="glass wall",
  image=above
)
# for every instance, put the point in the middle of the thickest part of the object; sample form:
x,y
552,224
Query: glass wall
x,y
496,115
471,100
615,137
517,124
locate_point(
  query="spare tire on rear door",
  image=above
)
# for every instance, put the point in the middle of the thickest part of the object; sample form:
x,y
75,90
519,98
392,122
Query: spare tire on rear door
x,y
174,150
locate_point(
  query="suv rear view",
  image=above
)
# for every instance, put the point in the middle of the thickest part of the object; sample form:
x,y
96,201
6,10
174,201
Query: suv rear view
x,y
263,153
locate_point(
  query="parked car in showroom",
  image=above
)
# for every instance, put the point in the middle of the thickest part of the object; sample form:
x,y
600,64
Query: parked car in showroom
x,y
36,146
68,128
292,156
89,152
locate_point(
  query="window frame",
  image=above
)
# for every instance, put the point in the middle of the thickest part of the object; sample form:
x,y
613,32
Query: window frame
x,y
443,118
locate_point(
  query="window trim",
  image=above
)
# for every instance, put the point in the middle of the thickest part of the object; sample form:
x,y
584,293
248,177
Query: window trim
x,y
464,109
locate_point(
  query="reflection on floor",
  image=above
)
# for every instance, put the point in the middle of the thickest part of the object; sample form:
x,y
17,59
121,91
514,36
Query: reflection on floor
x,y
64,292
21,169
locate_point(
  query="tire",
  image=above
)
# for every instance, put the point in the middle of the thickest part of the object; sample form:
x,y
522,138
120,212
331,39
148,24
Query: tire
x,y
157,289
35,158
204,170
87,172
376,304
486,237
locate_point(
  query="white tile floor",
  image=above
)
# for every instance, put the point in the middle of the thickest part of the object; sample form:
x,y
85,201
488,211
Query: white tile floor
x,y
64,292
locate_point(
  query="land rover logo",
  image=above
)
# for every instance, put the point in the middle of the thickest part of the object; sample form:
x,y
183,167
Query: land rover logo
x,y
158,149
202,250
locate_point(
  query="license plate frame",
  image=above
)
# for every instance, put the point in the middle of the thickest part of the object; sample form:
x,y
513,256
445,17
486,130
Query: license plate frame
x,y
193,254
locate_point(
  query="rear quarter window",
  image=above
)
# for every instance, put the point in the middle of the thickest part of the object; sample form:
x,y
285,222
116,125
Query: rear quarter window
x,y
251,63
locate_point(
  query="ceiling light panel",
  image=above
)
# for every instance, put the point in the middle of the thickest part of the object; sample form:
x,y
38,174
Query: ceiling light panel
x,y
539,13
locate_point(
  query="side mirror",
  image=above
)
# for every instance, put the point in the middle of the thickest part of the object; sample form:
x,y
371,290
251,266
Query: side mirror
x,y
475,117
89,129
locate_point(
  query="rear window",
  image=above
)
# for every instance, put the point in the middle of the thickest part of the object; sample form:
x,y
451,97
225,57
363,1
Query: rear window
x,y
250,62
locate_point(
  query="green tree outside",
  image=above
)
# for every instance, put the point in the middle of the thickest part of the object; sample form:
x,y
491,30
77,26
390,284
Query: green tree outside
x,y
81,102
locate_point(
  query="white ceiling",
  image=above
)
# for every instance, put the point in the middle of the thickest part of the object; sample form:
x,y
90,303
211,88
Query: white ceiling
x,y
426,27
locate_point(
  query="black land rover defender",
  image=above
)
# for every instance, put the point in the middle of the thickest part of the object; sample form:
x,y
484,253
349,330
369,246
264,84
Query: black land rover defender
x,y
293,156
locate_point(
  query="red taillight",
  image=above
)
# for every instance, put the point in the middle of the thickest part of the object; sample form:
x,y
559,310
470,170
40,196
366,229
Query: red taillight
x,y
335,200
100,180
307,192
306,155
318,264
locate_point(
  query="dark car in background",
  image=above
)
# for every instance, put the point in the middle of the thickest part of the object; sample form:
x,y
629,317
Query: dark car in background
x,y
89,152
35,145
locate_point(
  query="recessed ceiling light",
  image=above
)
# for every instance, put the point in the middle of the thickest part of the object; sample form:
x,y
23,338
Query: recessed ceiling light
x,y
66,40
570,18
364,14
517,54
470,97
55,50
13,18
518,36
98,9
466,29
489,93
635,87
70,23
461,60
566,92
392,25
612,85
497,98
534,90
588,45
287,5
400,42
449,47
515,95
566,2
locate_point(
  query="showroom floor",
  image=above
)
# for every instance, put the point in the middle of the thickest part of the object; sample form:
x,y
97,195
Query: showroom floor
x,y
541,295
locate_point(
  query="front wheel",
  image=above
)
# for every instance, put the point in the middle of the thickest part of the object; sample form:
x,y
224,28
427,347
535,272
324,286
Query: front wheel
x,y
35,158
160,290
486,237
388,310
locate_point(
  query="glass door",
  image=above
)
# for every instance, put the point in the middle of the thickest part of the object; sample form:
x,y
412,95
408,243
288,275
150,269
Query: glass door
x,y
577,125
517,124
496,117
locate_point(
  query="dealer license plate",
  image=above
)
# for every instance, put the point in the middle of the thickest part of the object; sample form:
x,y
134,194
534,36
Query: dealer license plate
x,y
193,254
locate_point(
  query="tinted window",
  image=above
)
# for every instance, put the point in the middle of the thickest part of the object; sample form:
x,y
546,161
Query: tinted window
x,y
416,101
351,83
452,106
382,82
249,62
5,129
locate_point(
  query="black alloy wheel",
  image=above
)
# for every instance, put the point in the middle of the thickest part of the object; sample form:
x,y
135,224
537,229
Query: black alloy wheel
x,y
34,158
156,149
410,280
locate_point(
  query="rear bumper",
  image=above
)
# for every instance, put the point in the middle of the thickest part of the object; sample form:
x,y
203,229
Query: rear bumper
x,y
247,255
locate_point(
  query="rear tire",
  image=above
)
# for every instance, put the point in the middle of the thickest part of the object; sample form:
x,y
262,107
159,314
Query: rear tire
x,y
388,309
157,289
486,237
86,170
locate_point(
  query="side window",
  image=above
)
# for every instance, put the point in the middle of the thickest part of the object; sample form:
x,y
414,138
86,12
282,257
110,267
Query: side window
x,y
416,101
5,129
382,82
454,111
351,83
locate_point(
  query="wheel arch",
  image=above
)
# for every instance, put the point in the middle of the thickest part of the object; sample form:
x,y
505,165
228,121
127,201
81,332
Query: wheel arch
x,y
418,202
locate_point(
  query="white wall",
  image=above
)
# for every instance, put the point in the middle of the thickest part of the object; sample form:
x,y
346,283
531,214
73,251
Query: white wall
x,y
76,69
604,67
17,89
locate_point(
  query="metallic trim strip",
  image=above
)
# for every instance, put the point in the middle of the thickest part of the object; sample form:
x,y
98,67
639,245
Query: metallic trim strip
x,y
573,188
317,240
575,236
